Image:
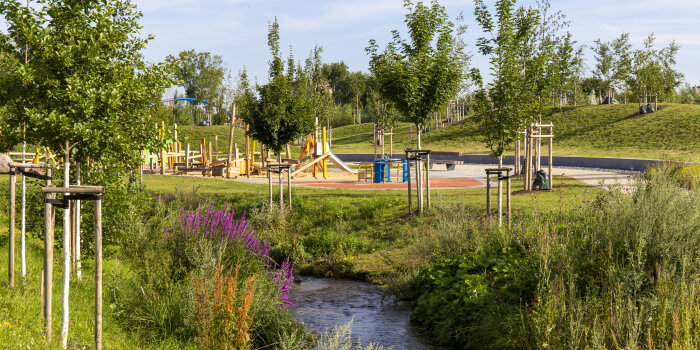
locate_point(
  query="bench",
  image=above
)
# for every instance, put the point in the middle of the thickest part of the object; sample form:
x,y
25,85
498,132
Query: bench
x,y
449,164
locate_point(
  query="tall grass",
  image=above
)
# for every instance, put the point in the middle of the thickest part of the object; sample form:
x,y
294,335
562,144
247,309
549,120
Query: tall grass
x,y
620,271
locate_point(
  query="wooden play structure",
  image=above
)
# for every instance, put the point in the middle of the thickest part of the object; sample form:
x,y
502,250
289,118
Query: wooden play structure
x,y
209,161
315,156
532,148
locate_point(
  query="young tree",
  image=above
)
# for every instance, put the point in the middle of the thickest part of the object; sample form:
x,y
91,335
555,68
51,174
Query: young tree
x,y
203,76
653,70
85,81
281,110
383,114
613,60
80,79
420,74
505,105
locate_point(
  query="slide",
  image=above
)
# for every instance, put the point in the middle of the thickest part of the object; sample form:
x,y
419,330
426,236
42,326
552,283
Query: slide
x,y
339,163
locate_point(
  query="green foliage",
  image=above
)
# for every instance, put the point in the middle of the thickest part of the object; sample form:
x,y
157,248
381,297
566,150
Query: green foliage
x,y
653,70
620,271
524,67
282,110
420,75
459,297
203,76
85,80
613,61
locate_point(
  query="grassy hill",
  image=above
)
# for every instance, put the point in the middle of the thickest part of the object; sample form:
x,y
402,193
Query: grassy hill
x,y
603,131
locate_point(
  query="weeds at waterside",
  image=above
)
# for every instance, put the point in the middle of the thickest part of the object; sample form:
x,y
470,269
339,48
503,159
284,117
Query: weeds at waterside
x,y
620,271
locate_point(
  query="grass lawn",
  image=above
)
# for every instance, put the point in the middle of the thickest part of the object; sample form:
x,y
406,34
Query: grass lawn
x,y
359,225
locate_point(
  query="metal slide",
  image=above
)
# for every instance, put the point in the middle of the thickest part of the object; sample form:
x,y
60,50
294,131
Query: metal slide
x,y
339,163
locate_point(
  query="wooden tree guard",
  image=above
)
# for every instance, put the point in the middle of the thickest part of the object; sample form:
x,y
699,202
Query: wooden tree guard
x,y
17,168
418,156
531,136
93,193
499,174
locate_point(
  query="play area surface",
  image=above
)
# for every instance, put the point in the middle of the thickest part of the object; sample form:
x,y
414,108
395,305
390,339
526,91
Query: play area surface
x,y
464,176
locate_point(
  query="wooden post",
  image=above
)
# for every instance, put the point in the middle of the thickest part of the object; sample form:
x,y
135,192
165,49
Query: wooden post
x,y
49,221
175,133
229,159
408,171
11,230
211,156
551,139
269,185
187,157
216,143
289,187
325,164
98,274
427,177
247,150
516,160
162,161
374,140
78,218
488,197
279,178
65,307
419,183
391,143
508,196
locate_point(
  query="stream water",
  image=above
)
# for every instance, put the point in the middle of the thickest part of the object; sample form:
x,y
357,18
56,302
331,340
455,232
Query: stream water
x,y
323,303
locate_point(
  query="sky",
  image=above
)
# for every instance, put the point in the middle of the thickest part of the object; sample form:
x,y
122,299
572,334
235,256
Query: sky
x,y
237,29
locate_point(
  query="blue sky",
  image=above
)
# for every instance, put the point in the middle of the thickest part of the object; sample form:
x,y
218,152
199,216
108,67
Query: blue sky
x,y
236,29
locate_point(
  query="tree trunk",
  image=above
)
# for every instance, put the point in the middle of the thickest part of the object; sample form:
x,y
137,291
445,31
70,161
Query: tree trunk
x,y
418,136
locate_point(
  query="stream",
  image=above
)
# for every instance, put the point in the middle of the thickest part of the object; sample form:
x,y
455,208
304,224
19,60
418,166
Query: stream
x,y
322,303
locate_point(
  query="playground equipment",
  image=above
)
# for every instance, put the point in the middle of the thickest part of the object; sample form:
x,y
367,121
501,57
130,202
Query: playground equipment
x,y
315,155
420,157
499,175
645,103
533,148
380,171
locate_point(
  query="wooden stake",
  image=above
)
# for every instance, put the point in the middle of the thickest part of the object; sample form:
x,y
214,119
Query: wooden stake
x,y
427,177
488,197
216,143
187,157
408,170
247,150
11,232
98,274
508,196
230,141
289,186
49,221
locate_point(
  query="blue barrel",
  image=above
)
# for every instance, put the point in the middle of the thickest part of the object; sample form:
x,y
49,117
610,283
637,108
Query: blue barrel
x,y
404,177
380,170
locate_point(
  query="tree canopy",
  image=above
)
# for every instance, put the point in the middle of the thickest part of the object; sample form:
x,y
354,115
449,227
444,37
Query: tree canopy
x,y
84,80
281,110
423,73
